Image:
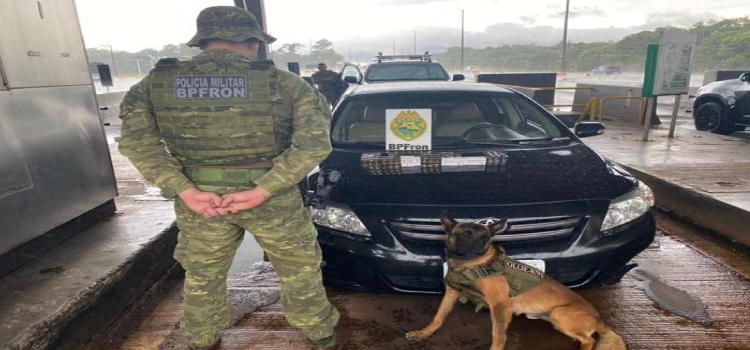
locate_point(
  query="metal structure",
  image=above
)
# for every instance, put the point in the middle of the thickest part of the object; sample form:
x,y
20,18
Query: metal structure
x,y
462,40
564,56
54,160
424,58
258,8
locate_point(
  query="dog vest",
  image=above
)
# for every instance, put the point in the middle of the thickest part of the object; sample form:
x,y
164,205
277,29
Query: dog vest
x,y
521,278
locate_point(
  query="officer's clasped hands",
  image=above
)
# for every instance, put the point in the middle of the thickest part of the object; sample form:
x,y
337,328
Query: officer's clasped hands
x,y
245,200
211,205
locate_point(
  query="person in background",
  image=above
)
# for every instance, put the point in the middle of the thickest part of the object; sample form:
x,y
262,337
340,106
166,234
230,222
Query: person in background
x,y
326,80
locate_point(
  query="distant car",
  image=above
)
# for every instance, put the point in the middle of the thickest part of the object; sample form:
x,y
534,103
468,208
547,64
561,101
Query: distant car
x,y
582,216
386,69
723,107
607,70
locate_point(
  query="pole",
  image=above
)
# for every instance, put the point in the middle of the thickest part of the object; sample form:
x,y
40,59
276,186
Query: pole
x,y
647,124
394,46
112,54
257,8
415,42
674,115
138,63
564,58
462,40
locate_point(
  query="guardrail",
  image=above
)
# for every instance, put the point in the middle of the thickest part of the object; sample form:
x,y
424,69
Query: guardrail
x,y
596,107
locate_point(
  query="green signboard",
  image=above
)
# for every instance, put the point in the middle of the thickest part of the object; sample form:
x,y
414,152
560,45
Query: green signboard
x,y
652,57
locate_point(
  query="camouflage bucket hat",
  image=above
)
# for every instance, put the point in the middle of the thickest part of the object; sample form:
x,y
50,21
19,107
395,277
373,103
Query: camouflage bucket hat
x,y
229,23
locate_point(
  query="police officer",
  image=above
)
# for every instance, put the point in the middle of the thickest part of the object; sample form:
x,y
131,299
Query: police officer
x,y
231,137
327,81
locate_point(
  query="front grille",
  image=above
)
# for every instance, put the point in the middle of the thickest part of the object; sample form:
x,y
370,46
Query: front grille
x,y
520,229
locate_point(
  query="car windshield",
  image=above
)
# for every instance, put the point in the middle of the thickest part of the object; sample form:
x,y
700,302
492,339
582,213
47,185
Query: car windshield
x,y
457,118
405,71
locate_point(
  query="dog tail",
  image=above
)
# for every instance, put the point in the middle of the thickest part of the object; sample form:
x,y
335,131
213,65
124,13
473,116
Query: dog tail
x,y
608,339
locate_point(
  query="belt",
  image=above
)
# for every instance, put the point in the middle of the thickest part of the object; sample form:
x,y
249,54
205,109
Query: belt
x,y
257,165
224,176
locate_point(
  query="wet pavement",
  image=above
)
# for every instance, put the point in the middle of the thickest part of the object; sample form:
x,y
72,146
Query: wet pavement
x,y
701,176
683,258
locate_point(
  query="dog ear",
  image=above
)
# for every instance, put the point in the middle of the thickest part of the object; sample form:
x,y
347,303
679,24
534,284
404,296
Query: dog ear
x,y
499,227
448,222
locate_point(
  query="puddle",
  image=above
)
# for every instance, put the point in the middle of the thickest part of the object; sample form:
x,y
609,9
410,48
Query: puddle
x,y
674,300
244,302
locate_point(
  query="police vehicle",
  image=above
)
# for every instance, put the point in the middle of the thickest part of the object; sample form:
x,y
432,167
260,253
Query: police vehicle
x,y
392,68
489,152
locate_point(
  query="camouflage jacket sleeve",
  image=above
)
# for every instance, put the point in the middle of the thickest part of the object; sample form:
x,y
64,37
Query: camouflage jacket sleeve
x,y
311,141
141,143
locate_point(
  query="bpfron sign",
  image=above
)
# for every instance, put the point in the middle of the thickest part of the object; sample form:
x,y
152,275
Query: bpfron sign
x,y
408,129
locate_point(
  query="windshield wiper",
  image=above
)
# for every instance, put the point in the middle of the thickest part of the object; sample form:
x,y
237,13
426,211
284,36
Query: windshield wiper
x,y
467,143
541,140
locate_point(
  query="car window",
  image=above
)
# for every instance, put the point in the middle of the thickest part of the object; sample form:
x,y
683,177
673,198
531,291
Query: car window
x,y
350,71
485,117
406,71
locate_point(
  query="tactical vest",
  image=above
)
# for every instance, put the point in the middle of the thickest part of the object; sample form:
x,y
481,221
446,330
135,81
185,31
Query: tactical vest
x,y
521,278
211,117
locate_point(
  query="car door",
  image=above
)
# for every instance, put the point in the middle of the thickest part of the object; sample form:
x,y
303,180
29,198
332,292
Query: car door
x,y
351,70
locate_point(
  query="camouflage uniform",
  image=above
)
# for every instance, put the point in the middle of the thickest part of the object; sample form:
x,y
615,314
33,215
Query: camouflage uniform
x,y
326,81
223,123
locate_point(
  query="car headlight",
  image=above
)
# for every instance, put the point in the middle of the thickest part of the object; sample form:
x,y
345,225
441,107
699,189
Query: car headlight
x,y
629,207
339,218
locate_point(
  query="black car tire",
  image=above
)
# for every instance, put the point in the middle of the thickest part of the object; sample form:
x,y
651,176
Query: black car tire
x,y
712,117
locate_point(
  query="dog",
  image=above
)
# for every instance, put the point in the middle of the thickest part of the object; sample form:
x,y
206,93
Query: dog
x,y
469,246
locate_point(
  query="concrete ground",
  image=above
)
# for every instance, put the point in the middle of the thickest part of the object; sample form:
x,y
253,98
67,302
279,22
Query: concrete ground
x,y
682,256
44,299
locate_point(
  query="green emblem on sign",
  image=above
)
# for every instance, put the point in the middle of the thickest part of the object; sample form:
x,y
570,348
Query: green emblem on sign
x,y
408,125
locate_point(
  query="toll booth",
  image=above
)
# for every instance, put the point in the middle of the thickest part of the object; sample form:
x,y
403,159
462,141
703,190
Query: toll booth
x,y
55,164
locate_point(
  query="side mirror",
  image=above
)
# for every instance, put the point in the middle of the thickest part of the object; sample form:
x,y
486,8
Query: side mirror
x,y
745,77
587,129
459,77
351,80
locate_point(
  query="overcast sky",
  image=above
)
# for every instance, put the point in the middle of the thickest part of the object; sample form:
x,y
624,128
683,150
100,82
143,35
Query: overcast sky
x,y
138,24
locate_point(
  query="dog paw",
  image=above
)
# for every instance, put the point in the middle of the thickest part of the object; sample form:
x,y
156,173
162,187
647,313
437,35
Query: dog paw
x,y
417,335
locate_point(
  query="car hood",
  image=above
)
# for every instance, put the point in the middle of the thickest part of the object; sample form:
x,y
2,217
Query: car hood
x,y
570,173
719,86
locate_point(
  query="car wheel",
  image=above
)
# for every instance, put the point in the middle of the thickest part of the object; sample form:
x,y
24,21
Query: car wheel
x,y
710,116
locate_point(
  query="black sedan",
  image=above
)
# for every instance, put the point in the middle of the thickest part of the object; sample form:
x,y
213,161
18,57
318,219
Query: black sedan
x,y
494,154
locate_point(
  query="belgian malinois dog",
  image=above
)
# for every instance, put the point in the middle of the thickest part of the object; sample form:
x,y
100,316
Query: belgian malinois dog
x,y
469,245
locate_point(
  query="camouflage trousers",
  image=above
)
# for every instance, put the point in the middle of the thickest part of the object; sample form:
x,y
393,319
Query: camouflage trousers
x,y
283,229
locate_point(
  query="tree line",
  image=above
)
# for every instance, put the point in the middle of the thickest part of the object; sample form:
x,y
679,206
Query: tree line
x,y
722,44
